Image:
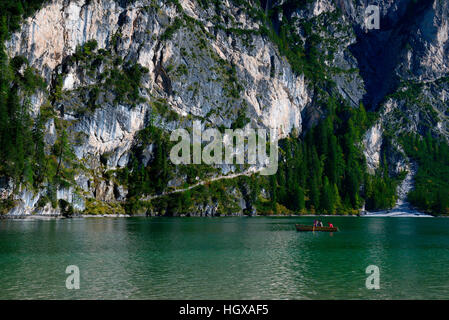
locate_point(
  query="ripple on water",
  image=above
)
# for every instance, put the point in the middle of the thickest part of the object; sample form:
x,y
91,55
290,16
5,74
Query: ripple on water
x,y
224,258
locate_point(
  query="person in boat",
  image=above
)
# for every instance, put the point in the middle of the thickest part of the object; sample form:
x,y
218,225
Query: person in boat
x,y
315,223
321,224
330,225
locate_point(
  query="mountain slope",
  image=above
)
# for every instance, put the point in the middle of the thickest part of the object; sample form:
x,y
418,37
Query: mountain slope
x,y
105,83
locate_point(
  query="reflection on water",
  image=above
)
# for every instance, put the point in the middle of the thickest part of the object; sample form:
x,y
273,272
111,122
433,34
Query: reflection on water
x,y
224,258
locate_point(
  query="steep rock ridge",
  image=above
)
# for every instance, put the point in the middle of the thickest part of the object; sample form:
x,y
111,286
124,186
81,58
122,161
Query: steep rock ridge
x,y
198,68
379,52
404,65
372,144
335,31
427,58
405,187
339,37
411,44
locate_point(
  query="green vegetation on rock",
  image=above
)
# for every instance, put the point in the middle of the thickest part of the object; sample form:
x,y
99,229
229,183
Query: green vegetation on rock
x,y
431,190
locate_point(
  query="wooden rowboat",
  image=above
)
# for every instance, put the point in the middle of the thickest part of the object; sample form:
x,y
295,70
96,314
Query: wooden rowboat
x,y
302,227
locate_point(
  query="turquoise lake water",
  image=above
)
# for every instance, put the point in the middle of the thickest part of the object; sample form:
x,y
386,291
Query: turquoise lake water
x,y
224,258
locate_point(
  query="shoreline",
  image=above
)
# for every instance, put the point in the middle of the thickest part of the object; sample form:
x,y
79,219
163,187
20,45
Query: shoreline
x,y
58,217
54,217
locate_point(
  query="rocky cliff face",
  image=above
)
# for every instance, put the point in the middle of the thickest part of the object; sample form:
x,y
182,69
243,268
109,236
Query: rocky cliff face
x,y
138,32
201,61
196,66
404,65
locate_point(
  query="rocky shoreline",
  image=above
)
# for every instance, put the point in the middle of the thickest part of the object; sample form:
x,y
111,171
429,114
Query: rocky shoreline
x,y
51,217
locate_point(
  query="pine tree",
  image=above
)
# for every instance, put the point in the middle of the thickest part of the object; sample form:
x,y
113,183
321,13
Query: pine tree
x,y
5,133
361,116
273,192
186,201
338,207
39,150
322,136
302,171
332,160
314,193
254,189
352,185
296,195
327,198
64,151
28,173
